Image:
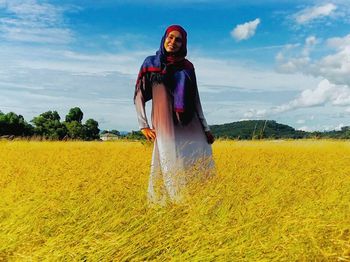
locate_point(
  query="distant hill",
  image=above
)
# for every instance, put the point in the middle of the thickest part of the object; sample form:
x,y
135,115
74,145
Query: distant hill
x,y
256,129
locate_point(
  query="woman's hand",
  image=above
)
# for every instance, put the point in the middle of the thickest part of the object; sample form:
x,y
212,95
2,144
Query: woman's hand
x,y
210,137
149,133
178,117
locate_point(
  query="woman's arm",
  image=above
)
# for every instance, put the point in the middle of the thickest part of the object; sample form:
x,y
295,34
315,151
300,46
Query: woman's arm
x,y
200,114
141,113
198,106
140,109
199,111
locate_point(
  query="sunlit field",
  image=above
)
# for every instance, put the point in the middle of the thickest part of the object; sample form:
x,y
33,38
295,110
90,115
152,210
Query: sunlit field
x,y
270,200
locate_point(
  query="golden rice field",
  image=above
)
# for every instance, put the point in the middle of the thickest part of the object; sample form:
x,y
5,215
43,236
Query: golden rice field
x,y
86,201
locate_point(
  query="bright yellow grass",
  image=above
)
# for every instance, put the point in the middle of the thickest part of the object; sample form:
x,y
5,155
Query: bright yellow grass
x,y
75,201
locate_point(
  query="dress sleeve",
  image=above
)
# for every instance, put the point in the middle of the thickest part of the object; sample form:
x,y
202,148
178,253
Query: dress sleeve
x,y
139,101
199,109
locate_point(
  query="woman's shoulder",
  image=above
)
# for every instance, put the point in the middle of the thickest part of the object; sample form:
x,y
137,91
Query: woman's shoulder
x,y
150,60
188,65
150,64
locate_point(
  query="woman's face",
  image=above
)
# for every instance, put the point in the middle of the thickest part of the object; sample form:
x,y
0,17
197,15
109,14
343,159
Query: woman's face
x,y
173,42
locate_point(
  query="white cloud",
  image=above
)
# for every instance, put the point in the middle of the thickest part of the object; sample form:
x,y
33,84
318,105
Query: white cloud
x,y
30,21
305,128
321,127
335,66
289,61
220,72
311,97
310,42
309,14
325,92
339,43
339,127
256,113
292,65
246,30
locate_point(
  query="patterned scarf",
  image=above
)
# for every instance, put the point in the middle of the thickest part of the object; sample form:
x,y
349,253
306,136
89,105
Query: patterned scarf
x,y
175,67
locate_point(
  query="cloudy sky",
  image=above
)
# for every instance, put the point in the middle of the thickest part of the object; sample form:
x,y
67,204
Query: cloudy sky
x,y
287,61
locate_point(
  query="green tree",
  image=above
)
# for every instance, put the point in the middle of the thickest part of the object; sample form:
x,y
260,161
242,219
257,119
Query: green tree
x,y
13,124
49,126
75,114
113,131
75,129
345,134
91,129
116,132
135,135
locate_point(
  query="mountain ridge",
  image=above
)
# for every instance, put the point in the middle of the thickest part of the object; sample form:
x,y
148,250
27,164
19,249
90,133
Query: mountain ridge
x,y
260,129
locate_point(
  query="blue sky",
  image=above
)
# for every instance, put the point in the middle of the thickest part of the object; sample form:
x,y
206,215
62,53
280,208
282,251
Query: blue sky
x,y
283,60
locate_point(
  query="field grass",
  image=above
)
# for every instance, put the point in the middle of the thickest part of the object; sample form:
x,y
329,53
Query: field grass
x,y
86,201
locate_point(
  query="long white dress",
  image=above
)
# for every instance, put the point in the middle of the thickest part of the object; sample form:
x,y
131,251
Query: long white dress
x,y
181,154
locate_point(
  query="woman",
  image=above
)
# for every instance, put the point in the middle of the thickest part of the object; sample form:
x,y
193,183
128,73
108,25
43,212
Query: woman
x,y
182,152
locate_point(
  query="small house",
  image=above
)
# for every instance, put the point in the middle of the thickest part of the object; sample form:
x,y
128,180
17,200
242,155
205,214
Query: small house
x,y
108,137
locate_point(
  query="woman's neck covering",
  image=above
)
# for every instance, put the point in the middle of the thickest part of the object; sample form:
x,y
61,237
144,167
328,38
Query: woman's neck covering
x,y
176,65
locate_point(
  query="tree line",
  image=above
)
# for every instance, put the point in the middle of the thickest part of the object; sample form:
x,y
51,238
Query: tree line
x,y
48,125
270,129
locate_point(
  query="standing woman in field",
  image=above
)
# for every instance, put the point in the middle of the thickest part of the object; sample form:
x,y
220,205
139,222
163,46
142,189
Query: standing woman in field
x,y
182,140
